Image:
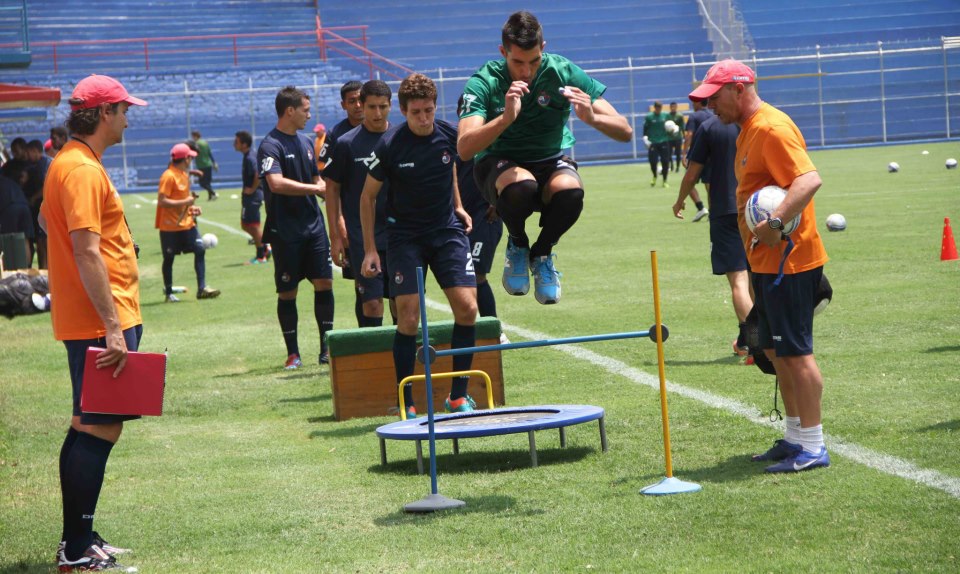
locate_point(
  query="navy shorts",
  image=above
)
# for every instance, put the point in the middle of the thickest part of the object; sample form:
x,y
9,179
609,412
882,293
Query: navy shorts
x,y
250,207
177,242
370,288
726,245
484,239
446,252
294,262
785,311
488,169
77,358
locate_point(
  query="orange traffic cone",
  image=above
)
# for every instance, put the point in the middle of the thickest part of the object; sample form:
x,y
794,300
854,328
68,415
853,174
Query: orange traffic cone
x,y
948,248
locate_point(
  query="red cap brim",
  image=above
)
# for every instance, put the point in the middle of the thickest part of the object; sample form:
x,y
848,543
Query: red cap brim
x,y
135,101
704,91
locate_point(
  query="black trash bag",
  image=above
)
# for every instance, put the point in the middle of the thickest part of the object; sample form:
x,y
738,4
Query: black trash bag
x,y
16,294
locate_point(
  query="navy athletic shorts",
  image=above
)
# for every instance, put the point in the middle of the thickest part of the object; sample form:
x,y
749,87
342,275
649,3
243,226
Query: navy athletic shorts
x,y
785,311
177,242
726,245
370,288
77,358
250,207
488,169
446,252
484,239
294,262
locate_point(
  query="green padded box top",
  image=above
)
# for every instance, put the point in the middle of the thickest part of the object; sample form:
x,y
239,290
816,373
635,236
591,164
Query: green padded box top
x,y
345,342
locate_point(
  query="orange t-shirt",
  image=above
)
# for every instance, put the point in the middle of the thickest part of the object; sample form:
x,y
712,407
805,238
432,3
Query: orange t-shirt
x,y
78,194
175,185
317,147
771,151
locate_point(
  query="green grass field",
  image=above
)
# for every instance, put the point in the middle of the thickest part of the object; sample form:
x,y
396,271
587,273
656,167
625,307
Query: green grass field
x,y
248,472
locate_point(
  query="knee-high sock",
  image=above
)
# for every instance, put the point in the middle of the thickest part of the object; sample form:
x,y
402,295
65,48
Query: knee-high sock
x,y
515,204
287,313
404,359
486,303
358,306
66,495
323,311
167,269
462,336
84,470
558,217
200,266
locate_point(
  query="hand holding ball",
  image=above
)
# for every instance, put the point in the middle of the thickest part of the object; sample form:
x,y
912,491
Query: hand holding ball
x,y
763,203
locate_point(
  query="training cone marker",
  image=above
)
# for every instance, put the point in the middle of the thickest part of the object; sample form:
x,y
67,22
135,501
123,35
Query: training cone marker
x,y
948,247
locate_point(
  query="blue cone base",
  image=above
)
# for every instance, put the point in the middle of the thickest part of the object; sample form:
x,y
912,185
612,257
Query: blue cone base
x,y
671,485
433,503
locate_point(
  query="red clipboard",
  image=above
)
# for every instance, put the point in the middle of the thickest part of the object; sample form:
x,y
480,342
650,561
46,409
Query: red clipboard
x,y
137,391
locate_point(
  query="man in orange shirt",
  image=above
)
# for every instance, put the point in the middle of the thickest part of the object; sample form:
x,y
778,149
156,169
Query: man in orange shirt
x,y
95,282
178,228
771,151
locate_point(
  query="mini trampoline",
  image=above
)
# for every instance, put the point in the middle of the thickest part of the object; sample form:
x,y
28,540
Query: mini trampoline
x,y
490,423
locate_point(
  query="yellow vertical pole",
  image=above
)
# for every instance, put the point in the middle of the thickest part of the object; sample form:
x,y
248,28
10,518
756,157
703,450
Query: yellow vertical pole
x,y
663,378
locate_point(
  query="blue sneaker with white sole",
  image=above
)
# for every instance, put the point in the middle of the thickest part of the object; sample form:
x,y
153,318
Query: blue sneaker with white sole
x,y
546,280
780,450
516,269
802,461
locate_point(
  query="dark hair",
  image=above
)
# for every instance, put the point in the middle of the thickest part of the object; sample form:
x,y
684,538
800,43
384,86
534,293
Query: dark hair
x,y
195,134
416,87
191,144
18,142
376,88
657,104
35,145
673,103
244,137
351,86
84,122
522,30
290,97
58,131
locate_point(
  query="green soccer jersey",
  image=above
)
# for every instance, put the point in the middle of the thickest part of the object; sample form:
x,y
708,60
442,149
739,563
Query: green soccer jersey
x,y
540,131
204,155
653,127
677,119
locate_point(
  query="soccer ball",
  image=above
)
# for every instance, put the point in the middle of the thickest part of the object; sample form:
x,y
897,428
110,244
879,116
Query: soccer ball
x,y
671,127
209,240
763,203
951,163
836,222
893,167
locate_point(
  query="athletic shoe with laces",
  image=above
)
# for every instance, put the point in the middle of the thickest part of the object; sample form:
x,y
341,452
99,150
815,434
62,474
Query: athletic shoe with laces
x,y
516,269
324,358
546,280
653,181
293,362
664,185
256,261
701,214
208,293
106,546
781,450
802,461
95,559
740,351
411,412
171,298
464,404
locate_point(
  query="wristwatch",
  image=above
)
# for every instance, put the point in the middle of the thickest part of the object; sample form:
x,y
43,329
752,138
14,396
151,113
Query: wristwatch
x,y
775,223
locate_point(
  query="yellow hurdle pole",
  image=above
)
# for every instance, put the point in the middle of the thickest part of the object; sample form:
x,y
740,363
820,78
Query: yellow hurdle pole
x,y
660,367
450,375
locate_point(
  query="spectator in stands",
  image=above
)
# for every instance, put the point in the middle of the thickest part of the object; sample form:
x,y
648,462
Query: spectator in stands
x,y
206,164
251,195
58,137
15,215
786,273
36,169
320,133
676,139
658,142
519,147
294,227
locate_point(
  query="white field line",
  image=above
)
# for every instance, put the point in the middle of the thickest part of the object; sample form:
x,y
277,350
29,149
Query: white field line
x,y
203,220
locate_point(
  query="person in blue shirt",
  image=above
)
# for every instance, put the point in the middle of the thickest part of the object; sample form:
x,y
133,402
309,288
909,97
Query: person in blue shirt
x,y
294,226
426,226
251,197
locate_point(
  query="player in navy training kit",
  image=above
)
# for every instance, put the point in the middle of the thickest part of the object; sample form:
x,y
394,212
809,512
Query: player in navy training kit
x,y
294,225
426,225
251,197
345,175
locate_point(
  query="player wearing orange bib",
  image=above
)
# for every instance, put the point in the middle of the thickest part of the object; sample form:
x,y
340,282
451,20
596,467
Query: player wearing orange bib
x,y
771,151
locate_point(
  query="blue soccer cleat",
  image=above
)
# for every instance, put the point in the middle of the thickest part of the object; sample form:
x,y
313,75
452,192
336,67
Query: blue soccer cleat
x,y
464,404
802,461
780,450
546,280
516,269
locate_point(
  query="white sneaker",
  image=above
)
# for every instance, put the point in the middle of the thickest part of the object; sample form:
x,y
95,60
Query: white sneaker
x,y
700,215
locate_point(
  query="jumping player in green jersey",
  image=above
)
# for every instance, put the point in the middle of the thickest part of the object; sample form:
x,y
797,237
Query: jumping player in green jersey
x,y
514,124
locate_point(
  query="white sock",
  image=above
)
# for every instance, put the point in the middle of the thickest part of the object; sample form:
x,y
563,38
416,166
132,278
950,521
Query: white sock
x,y
791,430
811,438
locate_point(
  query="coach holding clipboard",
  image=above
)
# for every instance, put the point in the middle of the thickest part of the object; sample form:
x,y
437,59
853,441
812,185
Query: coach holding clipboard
x,y
95,289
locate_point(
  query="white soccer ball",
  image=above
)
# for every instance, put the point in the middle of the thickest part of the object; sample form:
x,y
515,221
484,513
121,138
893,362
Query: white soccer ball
x,y
836,222
209,240
924,152
671,127
951,163
893,167
763,203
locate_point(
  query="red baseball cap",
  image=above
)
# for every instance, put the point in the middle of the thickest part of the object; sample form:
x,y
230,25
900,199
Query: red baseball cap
x,y
48,144
721,74
95,90
182,150
319,128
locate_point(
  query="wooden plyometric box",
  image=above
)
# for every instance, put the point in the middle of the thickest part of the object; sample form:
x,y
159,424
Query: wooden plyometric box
x,y
364,382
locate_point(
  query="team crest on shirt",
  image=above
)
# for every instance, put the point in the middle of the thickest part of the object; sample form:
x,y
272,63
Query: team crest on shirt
x,y
445,158
360,289
398,278
501,163
310,154
285,278
543,99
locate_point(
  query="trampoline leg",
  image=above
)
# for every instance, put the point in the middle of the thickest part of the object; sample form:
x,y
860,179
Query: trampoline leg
x,y
456,446
563,438
419,457
383,452
603,436
533,450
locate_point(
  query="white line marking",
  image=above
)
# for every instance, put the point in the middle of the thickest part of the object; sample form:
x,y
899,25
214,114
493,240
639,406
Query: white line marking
x,y
204,220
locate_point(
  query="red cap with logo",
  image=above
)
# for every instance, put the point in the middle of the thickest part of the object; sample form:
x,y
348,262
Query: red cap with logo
x,y
182,150
319,128
721,74
95,90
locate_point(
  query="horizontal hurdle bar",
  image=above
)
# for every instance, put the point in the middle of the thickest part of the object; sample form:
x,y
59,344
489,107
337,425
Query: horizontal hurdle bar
x,y
543,343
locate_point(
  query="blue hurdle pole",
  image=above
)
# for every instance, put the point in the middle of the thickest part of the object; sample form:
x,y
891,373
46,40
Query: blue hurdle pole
x,y
544,343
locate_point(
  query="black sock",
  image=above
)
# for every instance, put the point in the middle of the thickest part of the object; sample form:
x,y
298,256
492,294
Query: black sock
x,y
486,303
515,204
323,311
85,466
287,313
71,437
699,205
371,321
199,265
358,306
404,360
166,268
261,251
564,210
462,336
741,336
